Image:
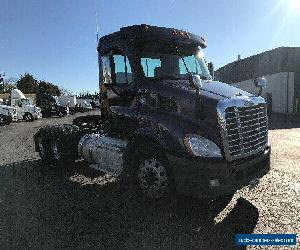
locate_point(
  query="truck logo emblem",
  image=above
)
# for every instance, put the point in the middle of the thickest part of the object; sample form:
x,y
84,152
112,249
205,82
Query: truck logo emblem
x,y
248,103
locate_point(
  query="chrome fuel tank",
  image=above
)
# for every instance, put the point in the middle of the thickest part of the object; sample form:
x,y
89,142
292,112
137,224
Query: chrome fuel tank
x,y
103,152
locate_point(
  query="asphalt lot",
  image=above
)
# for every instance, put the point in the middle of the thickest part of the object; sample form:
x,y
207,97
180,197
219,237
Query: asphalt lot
x,y
42,208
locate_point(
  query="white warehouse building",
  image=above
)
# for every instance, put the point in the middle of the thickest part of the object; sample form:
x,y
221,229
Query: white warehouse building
x,y
281,68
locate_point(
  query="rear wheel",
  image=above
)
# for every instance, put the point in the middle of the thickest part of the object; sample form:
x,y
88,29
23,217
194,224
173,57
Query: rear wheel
x,y
57,145
8,120
28,117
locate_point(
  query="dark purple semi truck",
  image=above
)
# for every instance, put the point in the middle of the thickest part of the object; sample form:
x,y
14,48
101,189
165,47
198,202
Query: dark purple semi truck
x,y
165,122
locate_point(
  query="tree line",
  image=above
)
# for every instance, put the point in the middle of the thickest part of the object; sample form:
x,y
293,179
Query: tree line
x,y
28,84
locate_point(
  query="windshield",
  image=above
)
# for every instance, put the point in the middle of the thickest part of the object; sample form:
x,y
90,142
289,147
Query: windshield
x,y
174,65
26,101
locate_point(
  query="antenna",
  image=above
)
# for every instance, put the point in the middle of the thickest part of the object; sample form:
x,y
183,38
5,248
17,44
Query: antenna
x,y
97,37
97,27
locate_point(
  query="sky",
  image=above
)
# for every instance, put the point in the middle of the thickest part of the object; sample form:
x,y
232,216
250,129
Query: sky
x,y
55,40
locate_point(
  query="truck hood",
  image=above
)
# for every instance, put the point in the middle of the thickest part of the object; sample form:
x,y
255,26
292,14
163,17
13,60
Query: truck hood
x,y
12,110
220,90
210,89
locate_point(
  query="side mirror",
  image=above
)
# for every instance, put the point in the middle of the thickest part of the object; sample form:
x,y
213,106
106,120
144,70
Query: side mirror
x,y
211,69
260,82
197,81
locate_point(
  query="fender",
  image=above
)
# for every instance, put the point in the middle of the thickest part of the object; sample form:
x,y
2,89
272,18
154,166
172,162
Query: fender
x,y
160,132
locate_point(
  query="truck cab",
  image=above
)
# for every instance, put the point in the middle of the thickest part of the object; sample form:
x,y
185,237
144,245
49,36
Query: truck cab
x,y
155,83
50,105
7,115
165,121
25,108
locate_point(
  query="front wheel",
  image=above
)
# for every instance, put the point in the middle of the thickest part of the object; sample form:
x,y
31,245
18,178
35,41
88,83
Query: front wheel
x,y
153,177
28,117
148,170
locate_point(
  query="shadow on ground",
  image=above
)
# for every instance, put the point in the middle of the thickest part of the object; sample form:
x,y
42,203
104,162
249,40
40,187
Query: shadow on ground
x,y
46,208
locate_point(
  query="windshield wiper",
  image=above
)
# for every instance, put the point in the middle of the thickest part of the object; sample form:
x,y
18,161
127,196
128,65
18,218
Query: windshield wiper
x,y
192,84
186,68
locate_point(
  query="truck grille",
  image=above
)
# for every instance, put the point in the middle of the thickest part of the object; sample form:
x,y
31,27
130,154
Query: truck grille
x,y
246,129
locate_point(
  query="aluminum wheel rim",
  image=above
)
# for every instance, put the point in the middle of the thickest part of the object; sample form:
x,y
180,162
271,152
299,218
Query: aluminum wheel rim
x,y
153,178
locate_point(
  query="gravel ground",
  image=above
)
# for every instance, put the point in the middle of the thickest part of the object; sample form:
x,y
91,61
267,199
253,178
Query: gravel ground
x,y
40,208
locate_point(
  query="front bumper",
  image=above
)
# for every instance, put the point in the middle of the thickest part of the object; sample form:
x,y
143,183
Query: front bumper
x,y
193,177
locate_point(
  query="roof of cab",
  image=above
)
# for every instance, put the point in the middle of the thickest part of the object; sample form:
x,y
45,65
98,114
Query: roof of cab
x,y
146,32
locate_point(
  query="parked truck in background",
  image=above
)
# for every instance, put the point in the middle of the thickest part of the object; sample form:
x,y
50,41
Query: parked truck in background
x,y
84,103
67,101
50,106
25,108
164,121
75,104
7,115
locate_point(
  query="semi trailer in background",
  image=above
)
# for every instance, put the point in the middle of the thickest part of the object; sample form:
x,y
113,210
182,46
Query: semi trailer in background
x,y
75,104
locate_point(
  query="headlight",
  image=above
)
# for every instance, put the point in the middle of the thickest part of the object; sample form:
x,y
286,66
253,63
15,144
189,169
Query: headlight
x,y
197,145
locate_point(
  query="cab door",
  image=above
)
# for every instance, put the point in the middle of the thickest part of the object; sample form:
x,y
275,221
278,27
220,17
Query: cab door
x,y
115,78
20,109
116,91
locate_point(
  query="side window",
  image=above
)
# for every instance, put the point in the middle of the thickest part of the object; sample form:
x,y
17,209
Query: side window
x,y
19,103
122,70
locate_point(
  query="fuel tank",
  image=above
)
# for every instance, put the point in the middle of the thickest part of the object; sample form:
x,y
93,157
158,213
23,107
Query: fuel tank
x,y
104,153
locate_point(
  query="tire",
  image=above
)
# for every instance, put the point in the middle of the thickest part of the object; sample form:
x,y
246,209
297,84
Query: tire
x,y
8,120
2,120
28,117
42,145
57,145
151,172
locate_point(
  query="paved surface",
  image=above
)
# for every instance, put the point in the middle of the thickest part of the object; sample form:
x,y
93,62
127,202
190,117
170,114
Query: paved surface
x,y
40,208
